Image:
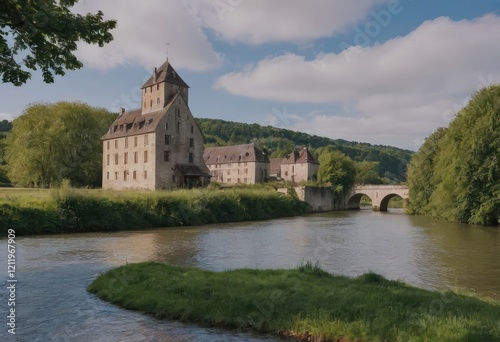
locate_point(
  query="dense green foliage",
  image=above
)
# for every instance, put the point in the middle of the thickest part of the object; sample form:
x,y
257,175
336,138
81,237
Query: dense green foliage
x,y
336,169
281,142
69,210
52,142
5,126
306,303
456,173
45,33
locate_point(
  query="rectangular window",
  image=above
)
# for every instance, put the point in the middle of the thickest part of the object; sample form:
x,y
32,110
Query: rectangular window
x,y
178,127
191,159
191,142
145,140
145,156
108,144
135,141
116,175
229,180
116,143
107,159
192,129
168,139
116,158
239,180
126,142
134,174
166,156
107,175
124,175
136,159
125,158
246,171
145,174
245,180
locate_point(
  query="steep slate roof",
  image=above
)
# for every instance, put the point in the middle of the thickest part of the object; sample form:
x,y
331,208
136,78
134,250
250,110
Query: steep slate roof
x,y
275,166
165,73
234,154
292,158
304,156
133,122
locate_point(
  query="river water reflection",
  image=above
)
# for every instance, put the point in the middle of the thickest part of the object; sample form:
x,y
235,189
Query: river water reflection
x,y
53,271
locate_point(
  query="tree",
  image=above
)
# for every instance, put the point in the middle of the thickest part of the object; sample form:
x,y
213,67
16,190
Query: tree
x,y
52,142
45,33
421,178
337,169
367,173
456,173
5,126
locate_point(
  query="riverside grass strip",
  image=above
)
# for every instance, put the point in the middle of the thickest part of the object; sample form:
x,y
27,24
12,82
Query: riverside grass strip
x,y
305,303
67,210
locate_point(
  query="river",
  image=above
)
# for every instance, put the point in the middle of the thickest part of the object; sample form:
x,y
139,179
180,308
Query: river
x,y
53,271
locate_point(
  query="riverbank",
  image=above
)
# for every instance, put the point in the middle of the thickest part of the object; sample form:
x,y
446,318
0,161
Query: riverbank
x,y
305,303
67,210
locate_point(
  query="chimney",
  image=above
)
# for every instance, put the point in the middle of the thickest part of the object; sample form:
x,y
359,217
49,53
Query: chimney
x,y
155,74
122,110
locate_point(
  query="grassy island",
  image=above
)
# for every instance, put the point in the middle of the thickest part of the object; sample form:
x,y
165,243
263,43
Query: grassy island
x,y
68,210
305,303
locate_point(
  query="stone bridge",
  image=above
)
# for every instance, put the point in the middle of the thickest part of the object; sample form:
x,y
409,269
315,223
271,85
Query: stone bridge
x,y
379,194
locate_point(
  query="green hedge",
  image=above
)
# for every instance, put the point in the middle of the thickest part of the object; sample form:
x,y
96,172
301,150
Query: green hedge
x,y
70,211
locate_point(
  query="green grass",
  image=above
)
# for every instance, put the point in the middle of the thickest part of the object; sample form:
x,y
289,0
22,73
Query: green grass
x,y
66,210
305,302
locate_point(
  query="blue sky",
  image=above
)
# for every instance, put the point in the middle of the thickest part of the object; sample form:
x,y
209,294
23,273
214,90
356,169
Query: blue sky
x,y
378,71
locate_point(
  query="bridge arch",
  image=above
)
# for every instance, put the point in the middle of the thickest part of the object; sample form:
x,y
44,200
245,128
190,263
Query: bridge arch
x,y
354,201
379,195
385,201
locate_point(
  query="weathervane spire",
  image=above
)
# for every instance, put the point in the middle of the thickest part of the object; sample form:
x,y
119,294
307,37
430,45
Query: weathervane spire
x,y
167,44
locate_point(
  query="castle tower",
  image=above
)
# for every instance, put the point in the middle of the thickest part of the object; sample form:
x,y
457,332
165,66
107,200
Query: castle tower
x,y
158,89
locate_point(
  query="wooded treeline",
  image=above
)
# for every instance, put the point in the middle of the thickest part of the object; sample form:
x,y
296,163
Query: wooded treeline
x,y
455,175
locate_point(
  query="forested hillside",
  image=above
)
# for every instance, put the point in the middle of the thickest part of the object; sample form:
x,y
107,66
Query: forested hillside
x,y
279,142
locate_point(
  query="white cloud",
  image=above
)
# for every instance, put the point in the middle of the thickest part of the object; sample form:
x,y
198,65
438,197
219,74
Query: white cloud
x,y
6,116
408,86
145,27
141,35
263,21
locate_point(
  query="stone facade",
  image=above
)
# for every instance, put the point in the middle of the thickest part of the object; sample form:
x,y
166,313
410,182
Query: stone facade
x,y
299,166
158,146
240,164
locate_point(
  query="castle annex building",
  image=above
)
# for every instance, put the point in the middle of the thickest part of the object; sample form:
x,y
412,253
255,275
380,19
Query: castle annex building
x,y
244,164
158,146
297,167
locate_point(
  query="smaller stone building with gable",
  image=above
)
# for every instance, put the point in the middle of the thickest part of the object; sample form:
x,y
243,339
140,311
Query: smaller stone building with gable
x,y
297,167
245,164
158,146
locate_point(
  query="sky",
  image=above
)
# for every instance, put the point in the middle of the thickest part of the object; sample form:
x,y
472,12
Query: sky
x,y
385,72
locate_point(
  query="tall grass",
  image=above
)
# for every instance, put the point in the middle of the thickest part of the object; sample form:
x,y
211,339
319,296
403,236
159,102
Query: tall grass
x,y
306,303
70,210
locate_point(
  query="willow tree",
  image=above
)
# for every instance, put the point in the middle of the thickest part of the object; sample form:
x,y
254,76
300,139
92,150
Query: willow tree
x,y
52,142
